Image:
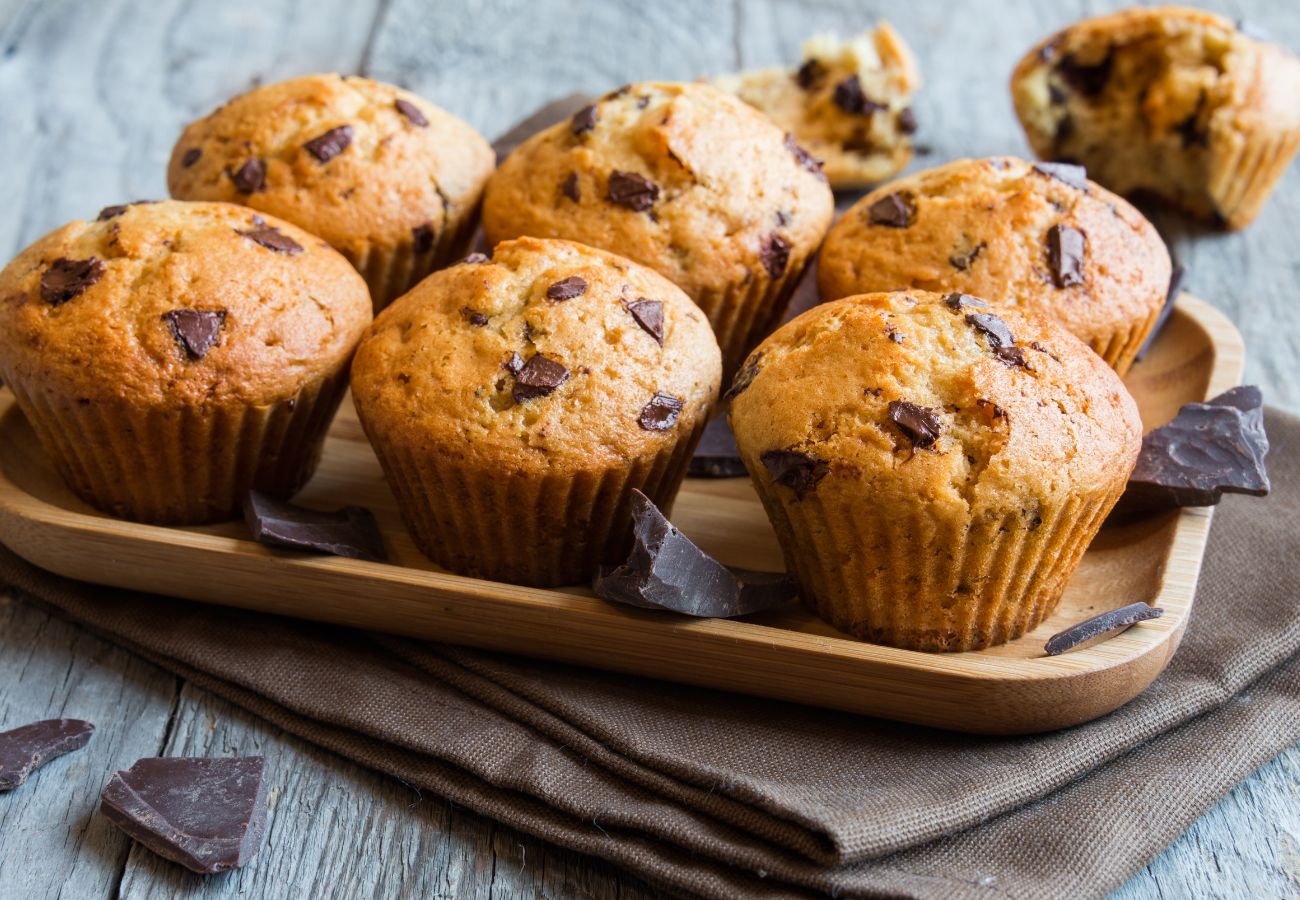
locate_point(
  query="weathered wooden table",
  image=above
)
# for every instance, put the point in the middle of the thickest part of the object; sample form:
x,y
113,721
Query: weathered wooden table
x,y
93,93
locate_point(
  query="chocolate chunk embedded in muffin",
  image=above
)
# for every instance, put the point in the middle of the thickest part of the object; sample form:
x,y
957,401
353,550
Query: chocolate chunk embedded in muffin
x,y
514,445
175,355
926,493
387,178
682,178
1168,101
1040,236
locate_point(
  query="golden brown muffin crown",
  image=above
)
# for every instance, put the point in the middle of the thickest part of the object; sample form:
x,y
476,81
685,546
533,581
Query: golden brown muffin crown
x,y
178,304
550,354
934,399
355,161
683,178
1038,236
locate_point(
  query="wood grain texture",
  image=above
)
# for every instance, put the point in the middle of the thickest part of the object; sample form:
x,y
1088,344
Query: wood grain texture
x,y
166,61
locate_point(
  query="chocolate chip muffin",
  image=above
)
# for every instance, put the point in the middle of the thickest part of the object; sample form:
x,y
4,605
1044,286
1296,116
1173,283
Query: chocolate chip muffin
x,y
171,356
1042,237
516,402
1170,101
388,179
848,103
934,466
682,178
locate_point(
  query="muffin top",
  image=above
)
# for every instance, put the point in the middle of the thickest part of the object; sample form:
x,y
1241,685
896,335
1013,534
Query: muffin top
x,y
1039,236
937,399
550,354
683,178
352,160
173,304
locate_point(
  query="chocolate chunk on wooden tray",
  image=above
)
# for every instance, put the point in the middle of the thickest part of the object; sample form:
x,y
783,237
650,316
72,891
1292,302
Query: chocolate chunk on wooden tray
x,y
351,531
25,749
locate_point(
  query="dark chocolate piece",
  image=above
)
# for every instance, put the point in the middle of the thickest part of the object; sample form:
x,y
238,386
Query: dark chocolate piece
x,y
1208,450
195,330
803,157
1065,251
666,570
919,423
1176,277
894,334
850,97
1099,625
566,289
569,187
271,238
1089,80
649,314
795,469
560,110
717,456
893,210
330,144
907,121
538,377
66,278
661,413
474,317
998,333
25,749
1067,173
744,376
206,814
112,212
250,177
963,259
411,113
808,74
634,191
774,254
351,531
1012,357
957,301
192,155
584,119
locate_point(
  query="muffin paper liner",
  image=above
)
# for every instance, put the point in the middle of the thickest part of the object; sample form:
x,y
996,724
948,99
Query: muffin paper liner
x,y
1241,181
392,271
521,527
181,466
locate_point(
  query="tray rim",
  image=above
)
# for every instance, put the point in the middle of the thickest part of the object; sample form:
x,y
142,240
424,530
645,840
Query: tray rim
x,y
29,525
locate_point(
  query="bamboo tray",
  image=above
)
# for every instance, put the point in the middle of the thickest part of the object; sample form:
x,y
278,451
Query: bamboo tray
x,y
786,654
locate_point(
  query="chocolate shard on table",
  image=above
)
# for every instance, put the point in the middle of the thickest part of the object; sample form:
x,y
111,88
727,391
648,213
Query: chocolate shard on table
x,y
1098,625
351,531
25,749
1208,450
667,571
206,814
716,455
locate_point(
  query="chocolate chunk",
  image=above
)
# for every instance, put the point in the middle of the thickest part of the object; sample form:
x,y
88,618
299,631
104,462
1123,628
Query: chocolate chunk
x,y
774,254
196,330
1012,357
271,238
1089,80
537,378
192,155
809,74
330,144
634,191
962,260
476,259
895,210
66,278
894,334
1176,277
250,177
666,570
1067,173
649,314
661,413
411,112
112,212
1208,450
803,157
850,97
351,531
744,377
583,120
206,814
957,302
422,238
919,423
474,317
1099,625
907,121
25,749
1065,251
795,469
717,456
571,189
566,289
999,334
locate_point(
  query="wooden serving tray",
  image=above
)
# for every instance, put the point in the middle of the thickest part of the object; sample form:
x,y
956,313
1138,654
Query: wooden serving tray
x,y
787,654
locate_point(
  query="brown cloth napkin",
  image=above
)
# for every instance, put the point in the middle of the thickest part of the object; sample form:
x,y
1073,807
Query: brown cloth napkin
x,y
713,794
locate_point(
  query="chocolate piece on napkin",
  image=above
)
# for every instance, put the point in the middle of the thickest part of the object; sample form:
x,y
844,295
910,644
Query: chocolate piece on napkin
x,y
1208,450
1099,625
666,570
716,455
206,814
351,531
25,749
